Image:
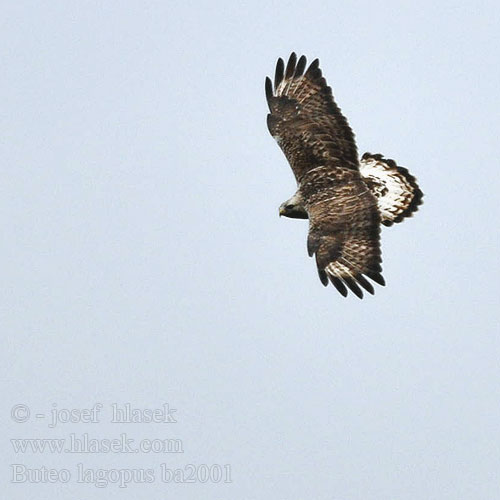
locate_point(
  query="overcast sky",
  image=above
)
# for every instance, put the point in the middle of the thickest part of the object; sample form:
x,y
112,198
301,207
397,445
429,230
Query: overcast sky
x,y
145,262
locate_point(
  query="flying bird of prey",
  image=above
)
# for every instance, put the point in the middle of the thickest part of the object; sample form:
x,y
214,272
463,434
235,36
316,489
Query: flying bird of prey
x,y
345,198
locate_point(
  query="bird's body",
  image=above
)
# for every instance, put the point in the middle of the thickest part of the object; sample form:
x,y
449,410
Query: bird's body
x,y
345,199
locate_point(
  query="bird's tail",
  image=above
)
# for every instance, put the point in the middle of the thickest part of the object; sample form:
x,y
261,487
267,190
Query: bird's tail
x,y
397,192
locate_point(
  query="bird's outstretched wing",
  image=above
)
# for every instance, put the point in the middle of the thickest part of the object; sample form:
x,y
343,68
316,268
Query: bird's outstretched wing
x,y
304,119
344,233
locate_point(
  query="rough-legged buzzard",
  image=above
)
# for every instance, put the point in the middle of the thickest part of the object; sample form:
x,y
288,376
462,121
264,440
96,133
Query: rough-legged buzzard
x,y
345,199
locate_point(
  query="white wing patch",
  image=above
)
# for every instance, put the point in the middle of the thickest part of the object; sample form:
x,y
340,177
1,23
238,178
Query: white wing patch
x,y
396,190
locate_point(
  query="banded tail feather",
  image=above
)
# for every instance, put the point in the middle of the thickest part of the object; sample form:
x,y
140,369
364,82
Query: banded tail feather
x,y
396,190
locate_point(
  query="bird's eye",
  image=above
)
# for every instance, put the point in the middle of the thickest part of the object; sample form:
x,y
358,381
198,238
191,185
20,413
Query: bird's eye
x,y
290,207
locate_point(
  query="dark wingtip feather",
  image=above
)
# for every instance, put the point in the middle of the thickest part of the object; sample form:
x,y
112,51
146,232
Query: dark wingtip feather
x,y
337,283
323,276
278,75
313,244
313,71
314,65
377,277
301,66
269,88
365,284
290,67
353,286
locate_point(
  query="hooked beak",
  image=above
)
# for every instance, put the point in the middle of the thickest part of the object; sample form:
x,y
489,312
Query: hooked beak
x,y
281,211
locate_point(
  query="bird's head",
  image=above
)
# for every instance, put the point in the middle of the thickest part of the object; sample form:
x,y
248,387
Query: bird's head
x,y
293,210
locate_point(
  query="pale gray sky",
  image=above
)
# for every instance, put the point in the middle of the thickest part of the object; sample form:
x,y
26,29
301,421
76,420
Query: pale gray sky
x,y
145,262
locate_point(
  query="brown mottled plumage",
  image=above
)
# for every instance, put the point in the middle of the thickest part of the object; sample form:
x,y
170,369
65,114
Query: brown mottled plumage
x,y
344,199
